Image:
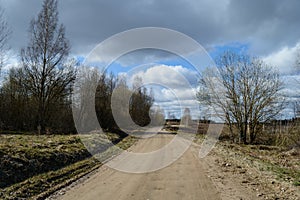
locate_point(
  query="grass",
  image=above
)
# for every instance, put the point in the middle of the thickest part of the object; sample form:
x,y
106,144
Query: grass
x,y
296,183
278,160
273,159
284,173
44,184
74,162
23,156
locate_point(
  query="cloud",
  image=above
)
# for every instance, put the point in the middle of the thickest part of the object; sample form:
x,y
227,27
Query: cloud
x,y
144,56
284,59
291,86
173,77
10,61
266,25
174,87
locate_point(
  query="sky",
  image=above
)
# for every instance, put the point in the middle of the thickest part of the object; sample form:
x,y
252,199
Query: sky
x,y
268,29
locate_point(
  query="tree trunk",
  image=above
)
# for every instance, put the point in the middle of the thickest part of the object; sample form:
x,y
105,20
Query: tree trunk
x,y
243,133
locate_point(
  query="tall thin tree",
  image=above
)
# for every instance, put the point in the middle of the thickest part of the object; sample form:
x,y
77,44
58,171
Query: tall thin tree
x,y
47,75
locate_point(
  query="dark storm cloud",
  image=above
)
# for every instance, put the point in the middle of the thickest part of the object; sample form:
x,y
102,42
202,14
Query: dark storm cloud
x,y
102,19
266,25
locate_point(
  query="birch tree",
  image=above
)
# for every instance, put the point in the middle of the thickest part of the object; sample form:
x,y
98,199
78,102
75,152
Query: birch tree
x,y
47,75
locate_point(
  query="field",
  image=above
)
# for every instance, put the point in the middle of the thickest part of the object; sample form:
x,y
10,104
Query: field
x,y
34,166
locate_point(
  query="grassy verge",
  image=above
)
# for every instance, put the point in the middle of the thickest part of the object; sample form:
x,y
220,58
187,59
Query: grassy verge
x,y
281,162
40,185
283,173
285,164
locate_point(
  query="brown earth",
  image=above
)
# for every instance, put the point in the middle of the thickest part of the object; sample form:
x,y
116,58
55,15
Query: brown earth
x,y
214,177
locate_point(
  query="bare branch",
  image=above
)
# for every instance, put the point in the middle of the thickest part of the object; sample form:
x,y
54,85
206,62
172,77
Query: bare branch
x,y
243,91
47,75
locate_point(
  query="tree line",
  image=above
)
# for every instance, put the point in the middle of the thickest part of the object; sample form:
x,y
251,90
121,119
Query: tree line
x,y
37,95
116,108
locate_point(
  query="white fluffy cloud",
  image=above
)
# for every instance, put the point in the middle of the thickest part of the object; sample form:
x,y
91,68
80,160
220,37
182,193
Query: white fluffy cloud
x,y
168,76
284,59
174,87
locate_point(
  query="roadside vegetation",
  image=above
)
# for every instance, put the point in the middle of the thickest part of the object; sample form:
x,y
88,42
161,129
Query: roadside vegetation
x,y
35,166
267,165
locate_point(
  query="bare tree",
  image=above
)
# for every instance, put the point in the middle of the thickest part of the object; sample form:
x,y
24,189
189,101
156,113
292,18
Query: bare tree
x,y
243,91
4,36
47,75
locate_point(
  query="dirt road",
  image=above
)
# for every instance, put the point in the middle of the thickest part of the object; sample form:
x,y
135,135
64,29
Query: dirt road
x,y
187,178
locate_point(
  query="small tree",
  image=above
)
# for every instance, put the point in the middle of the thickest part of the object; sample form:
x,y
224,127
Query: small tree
x,y
243,91
46,74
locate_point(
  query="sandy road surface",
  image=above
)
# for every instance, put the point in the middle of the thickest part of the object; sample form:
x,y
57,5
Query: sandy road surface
x,y
184,179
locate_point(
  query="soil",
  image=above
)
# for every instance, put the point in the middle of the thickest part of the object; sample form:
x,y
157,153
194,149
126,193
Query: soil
x,y
222,174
